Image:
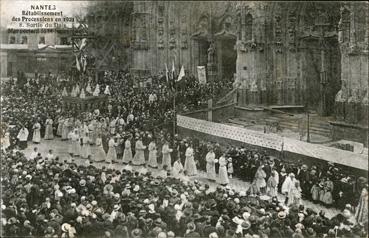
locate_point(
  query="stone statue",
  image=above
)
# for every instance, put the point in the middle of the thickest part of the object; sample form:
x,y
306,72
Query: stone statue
x,y
211,53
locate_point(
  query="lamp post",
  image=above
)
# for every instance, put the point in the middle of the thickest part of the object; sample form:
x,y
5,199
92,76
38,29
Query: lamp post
x,y
321,24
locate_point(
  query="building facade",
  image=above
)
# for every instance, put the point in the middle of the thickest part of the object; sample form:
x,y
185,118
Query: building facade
x,y
35,50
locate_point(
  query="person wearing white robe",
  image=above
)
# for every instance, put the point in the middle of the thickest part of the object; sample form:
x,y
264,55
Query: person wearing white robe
x,y
5,142
71,143
288,186
112,154
22,138
152,155
60,126
49,134
99,155
50,155
127,154
167,160
139,157
34,154
112,125
36,138
177,170
223,173
76,143
190,165
210,165
86,149
65,130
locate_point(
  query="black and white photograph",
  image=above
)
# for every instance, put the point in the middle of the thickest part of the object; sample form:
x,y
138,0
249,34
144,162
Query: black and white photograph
x,y
166,119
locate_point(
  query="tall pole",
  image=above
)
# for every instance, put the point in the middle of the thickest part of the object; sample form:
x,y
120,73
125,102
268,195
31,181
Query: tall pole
x,y
308,127
174,106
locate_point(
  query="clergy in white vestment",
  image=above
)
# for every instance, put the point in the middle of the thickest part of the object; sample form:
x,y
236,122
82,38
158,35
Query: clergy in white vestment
x,y
190,165
36,138
167,160
127,154
223,173
139,158
49,134
288,186
22,138
210,165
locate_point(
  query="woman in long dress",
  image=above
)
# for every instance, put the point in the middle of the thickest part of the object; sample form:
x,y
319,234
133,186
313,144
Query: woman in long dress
x,y
177,170
223,173
294,197
167,159
210,165
361,214
139,158
71,143
272,185
112,154
127,154
153,162
49,135
190,165
65,130
59,130
99,155
36,138
260,179
76,143
86,149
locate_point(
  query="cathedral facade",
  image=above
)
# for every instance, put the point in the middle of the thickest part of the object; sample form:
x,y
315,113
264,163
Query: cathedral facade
x,y
308,54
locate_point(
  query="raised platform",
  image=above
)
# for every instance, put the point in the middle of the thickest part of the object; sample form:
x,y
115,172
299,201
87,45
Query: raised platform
x,y
273,142
346,131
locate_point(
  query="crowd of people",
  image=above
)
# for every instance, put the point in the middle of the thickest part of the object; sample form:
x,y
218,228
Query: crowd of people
x,y
87,201
53,198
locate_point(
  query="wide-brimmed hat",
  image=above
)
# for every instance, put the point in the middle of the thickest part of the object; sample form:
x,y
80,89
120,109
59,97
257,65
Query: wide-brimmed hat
x,y
66,227
245,225
282,215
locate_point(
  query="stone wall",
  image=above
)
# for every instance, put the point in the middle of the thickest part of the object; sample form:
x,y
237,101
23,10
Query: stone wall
x,y
351,102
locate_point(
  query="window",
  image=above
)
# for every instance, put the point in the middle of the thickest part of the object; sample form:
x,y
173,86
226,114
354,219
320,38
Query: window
x,y
42,40
24,40
64,41
12,40
248,34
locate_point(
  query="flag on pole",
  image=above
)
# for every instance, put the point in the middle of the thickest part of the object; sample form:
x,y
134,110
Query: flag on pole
x,y
78,64
166,72
181,74
173,69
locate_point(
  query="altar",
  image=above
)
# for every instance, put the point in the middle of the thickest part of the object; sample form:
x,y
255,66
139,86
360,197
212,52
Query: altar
x,y
86,104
